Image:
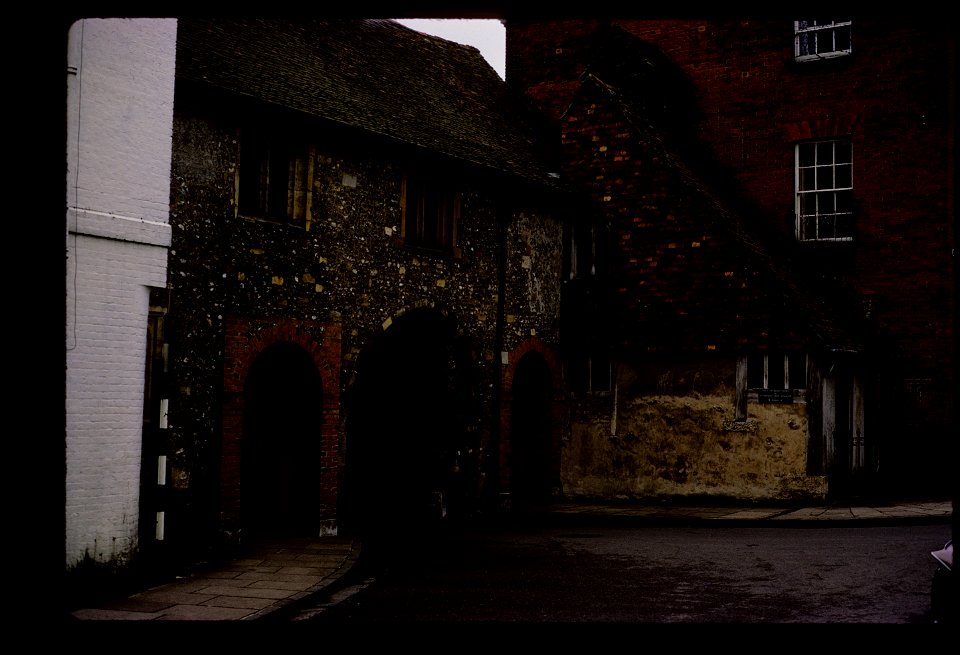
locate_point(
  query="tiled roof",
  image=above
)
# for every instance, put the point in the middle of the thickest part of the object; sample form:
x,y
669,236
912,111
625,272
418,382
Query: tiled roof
x,y
373,74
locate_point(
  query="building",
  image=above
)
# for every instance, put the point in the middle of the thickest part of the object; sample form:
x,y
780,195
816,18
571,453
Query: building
x,y
364,244
765,258
120,81
336,277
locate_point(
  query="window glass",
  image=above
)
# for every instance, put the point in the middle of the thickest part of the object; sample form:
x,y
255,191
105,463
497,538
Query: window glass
x,y
775,372
798,370
755,372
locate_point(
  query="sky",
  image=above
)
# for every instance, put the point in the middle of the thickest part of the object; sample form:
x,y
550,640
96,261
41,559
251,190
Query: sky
x,y
487,35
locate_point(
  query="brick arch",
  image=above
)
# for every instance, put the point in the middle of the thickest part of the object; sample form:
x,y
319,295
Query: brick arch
x,y
244,341
530,344
552,359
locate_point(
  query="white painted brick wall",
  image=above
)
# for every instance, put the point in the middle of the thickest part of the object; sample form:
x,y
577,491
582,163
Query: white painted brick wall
x,y
120,75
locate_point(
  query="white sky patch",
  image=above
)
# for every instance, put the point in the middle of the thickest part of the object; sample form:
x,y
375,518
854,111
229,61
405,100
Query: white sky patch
x,y
487,35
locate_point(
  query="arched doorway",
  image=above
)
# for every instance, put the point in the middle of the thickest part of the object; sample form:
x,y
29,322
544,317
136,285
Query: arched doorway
x,y
532,461
408,410
281,451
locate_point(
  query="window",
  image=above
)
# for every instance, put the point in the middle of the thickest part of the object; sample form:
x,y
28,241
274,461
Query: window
x,y
587,254
431,214
777,371
275,177
821,39
589,373
824,184
585,306
776,377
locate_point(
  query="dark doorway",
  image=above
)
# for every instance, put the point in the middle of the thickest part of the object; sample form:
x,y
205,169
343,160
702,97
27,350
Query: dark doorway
x,y
531,452
281,458
843,479
408,408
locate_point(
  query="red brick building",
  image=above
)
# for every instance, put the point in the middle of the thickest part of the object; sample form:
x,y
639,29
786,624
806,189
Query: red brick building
x,y
760,287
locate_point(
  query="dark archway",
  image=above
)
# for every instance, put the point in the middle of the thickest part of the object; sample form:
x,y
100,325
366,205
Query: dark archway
x,y
531,444
408,411
281,457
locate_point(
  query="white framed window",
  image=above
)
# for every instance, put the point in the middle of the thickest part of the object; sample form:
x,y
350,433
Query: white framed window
x,y
821,39
824,190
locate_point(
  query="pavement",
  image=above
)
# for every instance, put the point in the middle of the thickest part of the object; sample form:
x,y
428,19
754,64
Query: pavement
x,y
271,579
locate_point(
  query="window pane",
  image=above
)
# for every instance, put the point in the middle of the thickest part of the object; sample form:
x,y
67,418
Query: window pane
x,y
775,371
430,222
844,176
755,371
828,203
829,42
798,371
807,179
824,177
844,202
806,153
278,183
843,151
825,153
826,227
844,226
842,38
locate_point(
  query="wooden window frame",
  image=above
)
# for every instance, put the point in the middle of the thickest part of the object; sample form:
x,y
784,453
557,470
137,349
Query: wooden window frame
x,y
430,214
274,180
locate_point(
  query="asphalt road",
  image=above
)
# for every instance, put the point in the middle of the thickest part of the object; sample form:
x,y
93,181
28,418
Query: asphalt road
x,y
645,575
